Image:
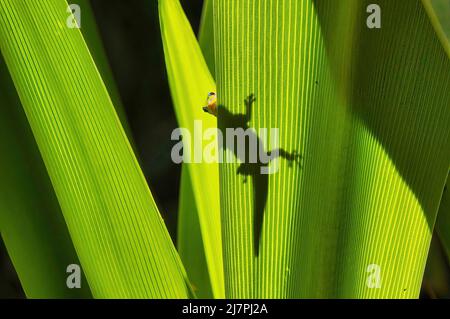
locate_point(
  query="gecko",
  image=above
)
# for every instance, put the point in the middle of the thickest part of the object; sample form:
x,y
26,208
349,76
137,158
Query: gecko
x,y
260,181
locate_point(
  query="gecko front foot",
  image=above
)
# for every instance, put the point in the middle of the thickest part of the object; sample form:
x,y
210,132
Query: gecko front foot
x,y
250,99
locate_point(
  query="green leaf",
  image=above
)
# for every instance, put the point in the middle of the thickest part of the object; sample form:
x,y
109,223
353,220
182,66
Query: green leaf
x,y
190,241
206,35
123,245
436,278
443,219
92,37
439,12
31,224
368,111
190,81
34,230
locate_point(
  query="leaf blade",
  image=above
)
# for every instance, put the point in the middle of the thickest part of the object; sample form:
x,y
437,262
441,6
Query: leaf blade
x,y
190,242
31,224
316,72
190,81
122,242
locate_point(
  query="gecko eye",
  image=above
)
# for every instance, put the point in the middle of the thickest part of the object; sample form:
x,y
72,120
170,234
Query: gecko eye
x,y
211,104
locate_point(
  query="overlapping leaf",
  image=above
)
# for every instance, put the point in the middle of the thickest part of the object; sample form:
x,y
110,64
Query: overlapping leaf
x,y
115,226
368,110
190,82
31,224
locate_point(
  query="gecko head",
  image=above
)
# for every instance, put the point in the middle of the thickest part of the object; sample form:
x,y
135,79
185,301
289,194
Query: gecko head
x,y
211,104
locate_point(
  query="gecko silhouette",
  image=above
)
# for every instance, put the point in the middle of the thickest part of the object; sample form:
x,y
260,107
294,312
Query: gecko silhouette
x,y
247,168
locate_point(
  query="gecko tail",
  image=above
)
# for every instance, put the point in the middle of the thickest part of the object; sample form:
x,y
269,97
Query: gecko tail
x,y
260,191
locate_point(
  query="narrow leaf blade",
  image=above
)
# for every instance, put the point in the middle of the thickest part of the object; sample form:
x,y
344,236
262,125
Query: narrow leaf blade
x,y
190,81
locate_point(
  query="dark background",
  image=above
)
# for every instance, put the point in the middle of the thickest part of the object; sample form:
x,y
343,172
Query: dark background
x,y
131,37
